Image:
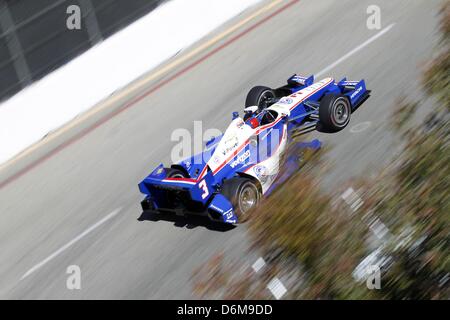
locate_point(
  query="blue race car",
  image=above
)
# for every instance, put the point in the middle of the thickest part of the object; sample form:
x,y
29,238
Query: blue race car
x,y
237,168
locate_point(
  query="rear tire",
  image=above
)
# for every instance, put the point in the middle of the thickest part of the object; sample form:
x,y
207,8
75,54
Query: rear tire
x,y
259,96
174,173
244,195
334,112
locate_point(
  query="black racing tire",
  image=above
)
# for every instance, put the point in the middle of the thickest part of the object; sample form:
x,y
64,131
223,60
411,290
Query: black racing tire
x,y
334,112
174,173
258,96
244,195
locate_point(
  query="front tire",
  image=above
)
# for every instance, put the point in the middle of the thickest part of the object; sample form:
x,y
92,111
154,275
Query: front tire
x,y
260,96
334,112
244,195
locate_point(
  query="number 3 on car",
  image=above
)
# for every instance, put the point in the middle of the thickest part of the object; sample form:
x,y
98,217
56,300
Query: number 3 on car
x,y
203,186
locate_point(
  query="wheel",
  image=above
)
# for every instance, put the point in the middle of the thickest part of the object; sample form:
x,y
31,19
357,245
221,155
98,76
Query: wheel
x,y
259,96
174,173
147,205
243,194
334,112
174,197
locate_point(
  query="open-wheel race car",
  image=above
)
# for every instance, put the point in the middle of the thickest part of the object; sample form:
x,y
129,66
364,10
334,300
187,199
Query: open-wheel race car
x,y
236,169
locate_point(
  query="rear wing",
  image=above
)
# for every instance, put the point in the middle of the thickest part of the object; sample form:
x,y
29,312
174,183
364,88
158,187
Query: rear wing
x,y
197,189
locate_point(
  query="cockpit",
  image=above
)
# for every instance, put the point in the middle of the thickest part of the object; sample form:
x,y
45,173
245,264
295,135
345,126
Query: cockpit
x,y
256,119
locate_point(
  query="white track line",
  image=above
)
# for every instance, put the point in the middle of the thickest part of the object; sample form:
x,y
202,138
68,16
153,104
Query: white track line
x,y
70,243
347,193
352,199
277,288
258,265
358,48
378,228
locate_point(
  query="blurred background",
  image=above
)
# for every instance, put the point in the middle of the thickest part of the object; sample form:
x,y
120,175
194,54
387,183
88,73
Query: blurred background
x,y
34,39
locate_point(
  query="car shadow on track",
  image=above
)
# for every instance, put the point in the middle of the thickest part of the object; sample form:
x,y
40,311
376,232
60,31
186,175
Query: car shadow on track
x,y
188,222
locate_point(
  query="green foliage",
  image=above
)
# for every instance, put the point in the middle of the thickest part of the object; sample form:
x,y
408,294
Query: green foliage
x,y
299,222
415,192
436,78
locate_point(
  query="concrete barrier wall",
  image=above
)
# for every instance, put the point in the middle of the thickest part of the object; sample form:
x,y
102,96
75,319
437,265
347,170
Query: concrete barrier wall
x,y
35,39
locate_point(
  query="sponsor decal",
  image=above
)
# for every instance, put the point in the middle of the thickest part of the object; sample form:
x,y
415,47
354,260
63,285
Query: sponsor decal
x,y
216,208
299,80
356,92
349,83
314,87
240,159
262,173
229,214
286,100
230,145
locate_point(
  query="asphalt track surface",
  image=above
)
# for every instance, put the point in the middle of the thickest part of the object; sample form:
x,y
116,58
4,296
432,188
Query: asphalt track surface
x,y
73,199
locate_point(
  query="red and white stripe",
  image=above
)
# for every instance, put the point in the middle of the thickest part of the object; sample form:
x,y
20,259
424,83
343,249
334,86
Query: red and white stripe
x,y
180,180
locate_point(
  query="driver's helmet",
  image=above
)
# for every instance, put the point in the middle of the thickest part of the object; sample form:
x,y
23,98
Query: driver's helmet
x,y
253,122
